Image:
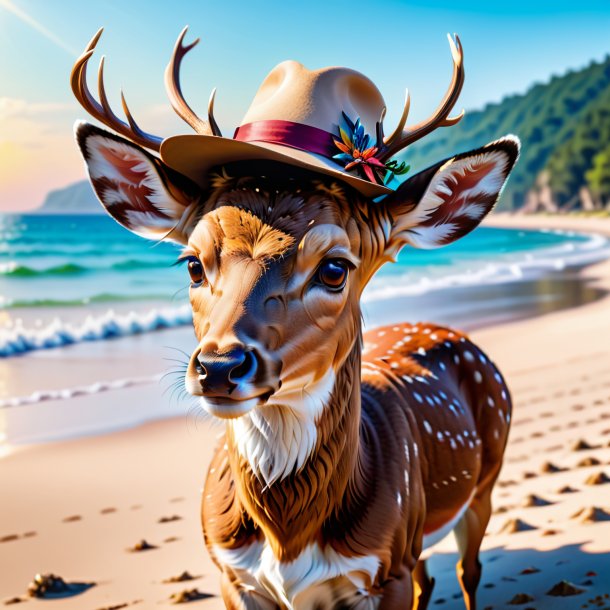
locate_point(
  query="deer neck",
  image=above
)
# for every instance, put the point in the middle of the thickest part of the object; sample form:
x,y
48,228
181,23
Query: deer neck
x,y
289,500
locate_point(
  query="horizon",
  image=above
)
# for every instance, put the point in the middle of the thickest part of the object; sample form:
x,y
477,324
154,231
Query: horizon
x,y
37,109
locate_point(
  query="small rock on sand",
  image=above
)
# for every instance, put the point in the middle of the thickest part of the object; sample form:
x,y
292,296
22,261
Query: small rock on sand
x,y
566,489
549,468
534,500
71,519
564,589
599,478
550,532
513,526
9,538
581,445
141,546
180,578
13,600
170,519
591,514
188,595
51,586
520,598
588,461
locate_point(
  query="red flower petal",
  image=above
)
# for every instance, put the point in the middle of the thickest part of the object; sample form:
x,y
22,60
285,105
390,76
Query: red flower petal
x,y
369,173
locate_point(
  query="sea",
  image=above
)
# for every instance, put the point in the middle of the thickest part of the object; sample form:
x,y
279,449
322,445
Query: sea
x,y
73,279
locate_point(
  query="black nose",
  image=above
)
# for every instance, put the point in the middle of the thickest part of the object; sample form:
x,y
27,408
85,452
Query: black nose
x,y
220,373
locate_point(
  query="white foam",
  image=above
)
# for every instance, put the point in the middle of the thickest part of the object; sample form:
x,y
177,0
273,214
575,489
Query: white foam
x,y
84,390
17,339
527,265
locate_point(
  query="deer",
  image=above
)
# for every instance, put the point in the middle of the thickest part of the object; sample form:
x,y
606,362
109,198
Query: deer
x,y
344,454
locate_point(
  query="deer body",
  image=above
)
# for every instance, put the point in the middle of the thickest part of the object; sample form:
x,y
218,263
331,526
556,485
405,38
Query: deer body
x,y
426,395
338,465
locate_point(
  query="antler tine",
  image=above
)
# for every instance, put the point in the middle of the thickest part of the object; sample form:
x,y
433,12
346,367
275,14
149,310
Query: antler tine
x,y
211,120
101,110
402,137
174,91
401,124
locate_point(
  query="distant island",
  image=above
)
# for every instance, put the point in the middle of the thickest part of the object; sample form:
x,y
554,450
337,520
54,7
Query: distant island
x,y
564,126
77,198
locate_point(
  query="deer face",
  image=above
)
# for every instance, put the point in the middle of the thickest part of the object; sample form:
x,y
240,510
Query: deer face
x,y
275,292
277,264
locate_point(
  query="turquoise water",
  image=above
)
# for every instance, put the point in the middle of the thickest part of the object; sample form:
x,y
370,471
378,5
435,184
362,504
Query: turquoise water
x,y
71,279
76,260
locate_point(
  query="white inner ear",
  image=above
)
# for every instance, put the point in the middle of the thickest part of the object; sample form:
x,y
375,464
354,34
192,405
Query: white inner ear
x,y
118,189
453,201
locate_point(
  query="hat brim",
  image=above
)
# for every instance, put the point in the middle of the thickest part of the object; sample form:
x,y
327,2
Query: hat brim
x,y
194,155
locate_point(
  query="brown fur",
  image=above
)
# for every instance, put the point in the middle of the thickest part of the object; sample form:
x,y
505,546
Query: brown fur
x,y
337,463
344,496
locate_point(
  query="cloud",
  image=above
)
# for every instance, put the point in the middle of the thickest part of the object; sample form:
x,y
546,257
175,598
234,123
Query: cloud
x,y
11,108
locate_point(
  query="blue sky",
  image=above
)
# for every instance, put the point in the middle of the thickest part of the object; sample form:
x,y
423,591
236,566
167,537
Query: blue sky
x,y
507,48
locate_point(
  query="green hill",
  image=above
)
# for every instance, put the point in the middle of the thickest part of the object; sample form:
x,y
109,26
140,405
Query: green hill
x,y
564,127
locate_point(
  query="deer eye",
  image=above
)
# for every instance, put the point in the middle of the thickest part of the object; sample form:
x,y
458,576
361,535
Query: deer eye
x,y
332,274
195,269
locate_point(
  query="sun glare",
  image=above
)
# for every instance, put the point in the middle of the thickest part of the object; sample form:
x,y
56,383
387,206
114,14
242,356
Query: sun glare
x,y
8,6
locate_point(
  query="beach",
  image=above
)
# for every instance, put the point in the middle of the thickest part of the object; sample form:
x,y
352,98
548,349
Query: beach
x,y
79,504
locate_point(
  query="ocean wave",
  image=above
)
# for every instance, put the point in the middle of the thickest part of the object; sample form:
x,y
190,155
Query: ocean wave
x,y
17,339
75,392
104,297
12,269
531,265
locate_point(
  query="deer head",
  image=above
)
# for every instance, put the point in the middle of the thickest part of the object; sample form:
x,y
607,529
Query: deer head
x,y
278,257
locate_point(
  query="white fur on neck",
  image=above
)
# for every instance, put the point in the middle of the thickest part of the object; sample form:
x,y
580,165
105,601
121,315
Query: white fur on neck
x,y
278,438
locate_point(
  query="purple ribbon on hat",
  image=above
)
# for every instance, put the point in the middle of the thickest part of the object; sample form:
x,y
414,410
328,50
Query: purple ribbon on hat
x,y
286,133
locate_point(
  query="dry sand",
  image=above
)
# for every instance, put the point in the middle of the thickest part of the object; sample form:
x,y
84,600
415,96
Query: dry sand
x,y
74,507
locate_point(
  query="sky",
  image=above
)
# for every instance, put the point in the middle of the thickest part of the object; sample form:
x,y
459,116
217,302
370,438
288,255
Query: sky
x,y
508,46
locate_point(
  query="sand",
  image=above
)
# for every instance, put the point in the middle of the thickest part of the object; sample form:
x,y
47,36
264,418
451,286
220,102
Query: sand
x,y
74,508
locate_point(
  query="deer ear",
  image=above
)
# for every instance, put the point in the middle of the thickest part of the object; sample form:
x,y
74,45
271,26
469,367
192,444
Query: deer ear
x,y
138,190
448,200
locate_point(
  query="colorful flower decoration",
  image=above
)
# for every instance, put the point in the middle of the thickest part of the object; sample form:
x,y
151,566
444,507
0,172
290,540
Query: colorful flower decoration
x,y
356,152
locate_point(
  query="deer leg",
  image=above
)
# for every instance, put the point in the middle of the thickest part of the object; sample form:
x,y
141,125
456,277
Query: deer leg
x,y
398,593
469,534
423,585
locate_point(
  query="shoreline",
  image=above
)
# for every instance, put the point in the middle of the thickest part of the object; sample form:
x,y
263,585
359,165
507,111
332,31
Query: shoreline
x,y
75,506
83,403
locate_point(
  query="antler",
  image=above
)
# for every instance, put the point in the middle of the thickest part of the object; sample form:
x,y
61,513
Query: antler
x,y
402,137
174,91
101,110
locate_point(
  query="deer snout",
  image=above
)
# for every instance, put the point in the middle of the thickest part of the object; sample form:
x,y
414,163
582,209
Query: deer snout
x,y
221,373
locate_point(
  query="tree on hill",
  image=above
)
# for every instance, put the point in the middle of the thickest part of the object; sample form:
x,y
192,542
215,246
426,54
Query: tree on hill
x,y
562,124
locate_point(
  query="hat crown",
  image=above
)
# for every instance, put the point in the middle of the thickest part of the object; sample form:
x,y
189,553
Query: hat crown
x,y
291,92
